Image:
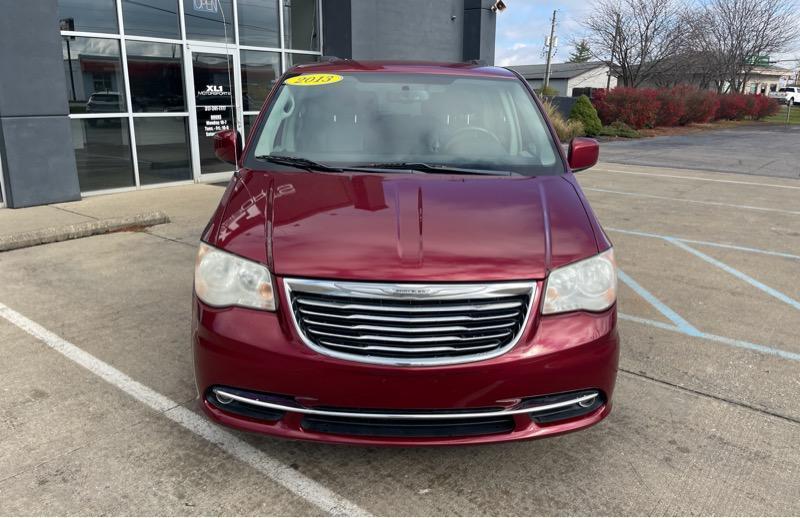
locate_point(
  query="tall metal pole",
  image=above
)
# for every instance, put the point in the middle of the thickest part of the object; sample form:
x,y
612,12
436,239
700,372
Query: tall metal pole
x,y
550,42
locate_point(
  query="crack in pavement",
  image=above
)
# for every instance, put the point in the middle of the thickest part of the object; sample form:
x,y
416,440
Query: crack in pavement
x,y
700,393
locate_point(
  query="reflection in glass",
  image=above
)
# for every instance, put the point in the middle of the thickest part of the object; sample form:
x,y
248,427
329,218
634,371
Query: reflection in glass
x,y
157,18
162,149
259,72
87,16
212,83
258,23
301,24
209,20
155,72
249,120
103,153
94,75
300,59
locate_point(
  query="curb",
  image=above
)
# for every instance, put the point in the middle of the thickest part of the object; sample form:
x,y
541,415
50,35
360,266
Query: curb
x,y
79,230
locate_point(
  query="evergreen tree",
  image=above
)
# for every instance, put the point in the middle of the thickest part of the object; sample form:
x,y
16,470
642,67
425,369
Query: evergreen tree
x,y
581,54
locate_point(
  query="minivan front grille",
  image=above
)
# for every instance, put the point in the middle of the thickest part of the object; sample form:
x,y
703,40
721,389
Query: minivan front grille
x,y
409,323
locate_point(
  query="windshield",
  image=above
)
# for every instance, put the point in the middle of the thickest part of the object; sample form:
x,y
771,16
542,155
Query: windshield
x,y
376,118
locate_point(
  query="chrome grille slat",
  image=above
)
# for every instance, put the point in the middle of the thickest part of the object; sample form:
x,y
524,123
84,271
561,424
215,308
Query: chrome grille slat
x,y
410,320
401,309
409,324
412,339
409,330
409,351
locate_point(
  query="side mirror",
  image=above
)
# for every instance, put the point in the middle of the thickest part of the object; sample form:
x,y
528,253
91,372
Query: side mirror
x,y
583,153
228,146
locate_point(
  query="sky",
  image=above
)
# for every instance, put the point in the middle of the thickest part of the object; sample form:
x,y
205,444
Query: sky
x,y
523,26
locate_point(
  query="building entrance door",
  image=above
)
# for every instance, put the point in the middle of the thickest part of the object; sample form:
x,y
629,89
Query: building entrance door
x,y
216,95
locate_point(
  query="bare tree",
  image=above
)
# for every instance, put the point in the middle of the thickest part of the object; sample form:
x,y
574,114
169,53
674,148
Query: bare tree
x,y
637,38
730,36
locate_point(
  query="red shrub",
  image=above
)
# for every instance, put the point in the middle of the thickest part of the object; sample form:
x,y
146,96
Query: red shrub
x,y
636,107
765,107
680,105
701,106
733,107
672,106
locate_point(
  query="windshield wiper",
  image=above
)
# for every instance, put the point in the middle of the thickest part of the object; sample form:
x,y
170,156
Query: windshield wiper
x,y
429,168
302,163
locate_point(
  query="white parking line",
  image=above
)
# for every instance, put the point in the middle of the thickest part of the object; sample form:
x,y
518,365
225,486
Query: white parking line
x,y
701,202
675,318
299,484
707,243
699,179
740,344
736,273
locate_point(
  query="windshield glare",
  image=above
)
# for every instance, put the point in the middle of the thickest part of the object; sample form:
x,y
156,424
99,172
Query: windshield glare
x,y
454,121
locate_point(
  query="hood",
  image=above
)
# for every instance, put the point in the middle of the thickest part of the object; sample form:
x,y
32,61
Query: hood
x,y
407,227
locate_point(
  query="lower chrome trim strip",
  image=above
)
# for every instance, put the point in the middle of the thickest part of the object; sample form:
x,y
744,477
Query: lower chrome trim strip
x,y
370,415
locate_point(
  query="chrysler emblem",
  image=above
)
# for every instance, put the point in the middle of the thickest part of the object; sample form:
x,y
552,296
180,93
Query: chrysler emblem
x,y
400,292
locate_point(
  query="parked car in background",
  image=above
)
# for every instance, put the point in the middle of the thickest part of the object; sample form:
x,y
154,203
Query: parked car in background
x,y
787,95
104,102
404,257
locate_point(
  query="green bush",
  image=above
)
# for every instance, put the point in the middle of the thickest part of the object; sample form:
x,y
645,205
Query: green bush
x,y
619,129
584,112
566,129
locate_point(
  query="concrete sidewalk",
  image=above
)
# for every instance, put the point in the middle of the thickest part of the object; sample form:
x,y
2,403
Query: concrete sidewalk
x,y
99,214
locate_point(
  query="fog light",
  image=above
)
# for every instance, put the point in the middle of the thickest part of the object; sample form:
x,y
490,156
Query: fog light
x,y
222,399
567,405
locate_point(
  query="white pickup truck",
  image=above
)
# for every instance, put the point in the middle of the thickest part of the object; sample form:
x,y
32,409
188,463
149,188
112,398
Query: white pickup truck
x,y
787,95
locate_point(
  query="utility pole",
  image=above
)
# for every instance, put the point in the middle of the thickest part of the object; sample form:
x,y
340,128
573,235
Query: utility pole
x,y
613,50
550,44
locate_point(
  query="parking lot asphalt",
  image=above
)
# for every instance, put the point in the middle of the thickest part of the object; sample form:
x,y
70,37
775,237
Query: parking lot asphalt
x,y
758,149
97,413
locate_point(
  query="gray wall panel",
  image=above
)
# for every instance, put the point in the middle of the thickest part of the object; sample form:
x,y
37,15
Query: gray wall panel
x,y
38,160
32,78
35,136
408,29
337,28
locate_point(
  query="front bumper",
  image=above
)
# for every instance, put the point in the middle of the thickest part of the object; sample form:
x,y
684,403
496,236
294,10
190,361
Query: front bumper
x,y
261,353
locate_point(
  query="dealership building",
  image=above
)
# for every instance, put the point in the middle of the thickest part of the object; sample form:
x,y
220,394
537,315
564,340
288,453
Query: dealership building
x,y
99,96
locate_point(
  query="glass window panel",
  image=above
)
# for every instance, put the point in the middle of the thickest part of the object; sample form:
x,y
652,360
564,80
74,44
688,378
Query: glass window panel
x,y
88,16
259,72
301,24
300,59
259,24
162,149
94,75
209,20
157,18
249,120
155,71
103,153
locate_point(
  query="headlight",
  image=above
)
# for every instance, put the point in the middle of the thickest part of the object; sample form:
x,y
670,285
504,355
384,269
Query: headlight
x,y
223,279
590,285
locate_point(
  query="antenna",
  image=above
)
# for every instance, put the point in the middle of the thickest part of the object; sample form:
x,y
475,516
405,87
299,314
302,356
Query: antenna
x,y
231,86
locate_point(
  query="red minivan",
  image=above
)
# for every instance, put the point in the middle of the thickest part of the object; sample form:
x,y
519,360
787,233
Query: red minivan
x,y
404,257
